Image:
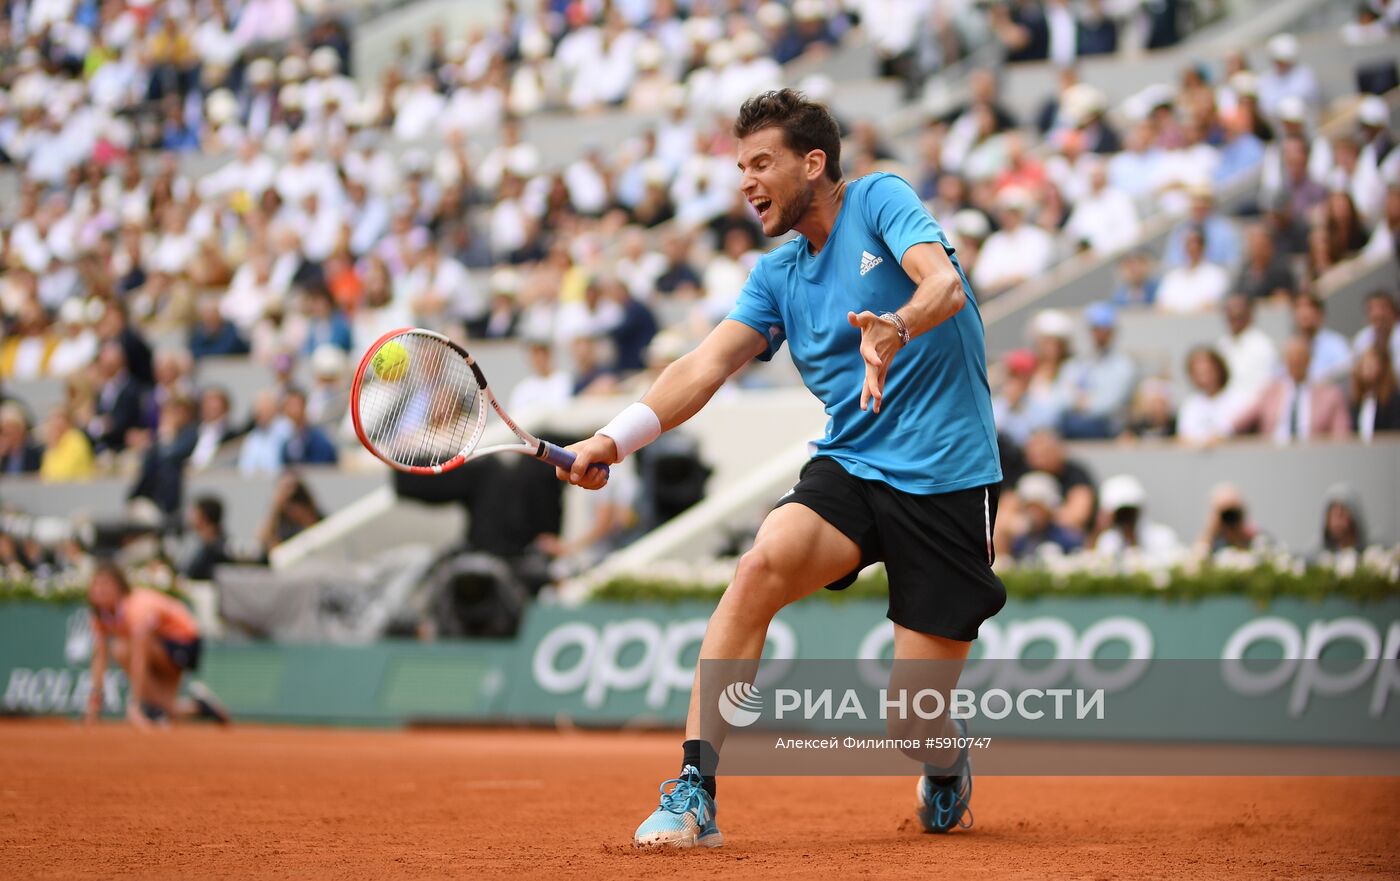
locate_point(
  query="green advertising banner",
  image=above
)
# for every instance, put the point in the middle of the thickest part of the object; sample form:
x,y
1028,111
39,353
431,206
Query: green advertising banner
x,y
619,663
44,654
45,650
623,663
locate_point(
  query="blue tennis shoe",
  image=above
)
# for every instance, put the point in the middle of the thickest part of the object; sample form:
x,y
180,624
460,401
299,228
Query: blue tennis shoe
x,y
942,807
685,817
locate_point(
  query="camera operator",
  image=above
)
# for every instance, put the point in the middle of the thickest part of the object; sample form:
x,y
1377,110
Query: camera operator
x,y
1228,525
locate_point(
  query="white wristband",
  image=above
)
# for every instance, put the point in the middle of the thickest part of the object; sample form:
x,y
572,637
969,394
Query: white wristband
x,y
635,427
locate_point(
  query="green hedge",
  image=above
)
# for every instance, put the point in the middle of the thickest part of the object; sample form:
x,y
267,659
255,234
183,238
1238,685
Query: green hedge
x,y
27,591
1263,584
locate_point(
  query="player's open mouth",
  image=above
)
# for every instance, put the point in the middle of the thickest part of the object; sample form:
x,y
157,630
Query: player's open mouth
x,y
761,205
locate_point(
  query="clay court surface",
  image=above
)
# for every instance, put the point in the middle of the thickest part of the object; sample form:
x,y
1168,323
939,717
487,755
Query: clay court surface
x,y
200,803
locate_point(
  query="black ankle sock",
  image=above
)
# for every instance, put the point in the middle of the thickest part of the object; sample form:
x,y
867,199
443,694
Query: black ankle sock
x,y
700,755
939,776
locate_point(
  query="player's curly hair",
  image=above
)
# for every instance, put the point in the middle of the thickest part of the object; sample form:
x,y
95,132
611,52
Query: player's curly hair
x,y
806,125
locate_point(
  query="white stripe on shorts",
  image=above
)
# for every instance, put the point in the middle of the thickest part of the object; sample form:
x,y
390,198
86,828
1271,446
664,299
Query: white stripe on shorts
x,y
987,519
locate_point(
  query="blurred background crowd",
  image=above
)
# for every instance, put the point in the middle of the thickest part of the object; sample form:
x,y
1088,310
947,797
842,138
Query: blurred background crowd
x,y
190,182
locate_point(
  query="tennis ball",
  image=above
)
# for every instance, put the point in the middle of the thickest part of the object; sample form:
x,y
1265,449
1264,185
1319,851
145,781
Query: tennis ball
x,y
391,361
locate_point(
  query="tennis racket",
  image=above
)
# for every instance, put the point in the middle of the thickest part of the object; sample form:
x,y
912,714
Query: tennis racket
x,y
419,401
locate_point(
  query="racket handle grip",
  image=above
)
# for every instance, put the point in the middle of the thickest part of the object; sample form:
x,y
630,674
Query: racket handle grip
x,y
562,458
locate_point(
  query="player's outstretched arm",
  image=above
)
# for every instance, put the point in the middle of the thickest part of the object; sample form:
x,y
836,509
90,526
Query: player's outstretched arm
x,y
98,673
686,386
938,296
138,673
678,394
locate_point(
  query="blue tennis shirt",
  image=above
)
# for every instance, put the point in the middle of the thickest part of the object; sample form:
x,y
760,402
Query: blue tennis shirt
x,y
934,432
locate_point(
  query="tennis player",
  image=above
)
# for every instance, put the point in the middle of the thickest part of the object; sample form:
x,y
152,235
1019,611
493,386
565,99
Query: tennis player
x,y
156,641
884,330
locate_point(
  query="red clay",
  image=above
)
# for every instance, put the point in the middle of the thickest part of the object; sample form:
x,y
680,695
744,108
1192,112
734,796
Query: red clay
x,y
271,803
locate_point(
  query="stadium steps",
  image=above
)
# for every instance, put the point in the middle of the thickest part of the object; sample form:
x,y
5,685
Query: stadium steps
x,y
375,42
376,522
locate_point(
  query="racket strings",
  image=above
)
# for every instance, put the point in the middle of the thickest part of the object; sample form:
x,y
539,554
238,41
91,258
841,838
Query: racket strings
x,y
424,411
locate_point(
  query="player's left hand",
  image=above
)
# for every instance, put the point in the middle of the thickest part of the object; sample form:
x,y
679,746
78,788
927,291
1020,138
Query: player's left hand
x,y
879,341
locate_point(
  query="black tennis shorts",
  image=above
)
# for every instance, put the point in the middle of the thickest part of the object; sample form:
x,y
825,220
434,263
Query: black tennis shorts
x,y
184,655
937,549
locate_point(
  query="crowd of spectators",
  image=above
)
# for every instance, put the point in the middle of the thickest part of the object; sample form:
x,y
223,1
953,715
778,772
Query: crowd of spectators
x,y
1054,508
1319,384
336,209
338,213
1300,202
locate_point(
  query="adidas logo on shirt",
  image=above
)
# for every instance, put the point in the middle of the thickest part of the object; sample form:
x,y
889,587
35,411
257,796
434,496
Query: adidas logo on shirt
x,y
869,261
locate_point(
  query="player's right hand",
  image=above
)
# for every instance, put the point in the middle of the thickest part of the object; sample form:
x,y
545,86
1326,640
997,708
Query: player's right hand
x,y
136,718
598,449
